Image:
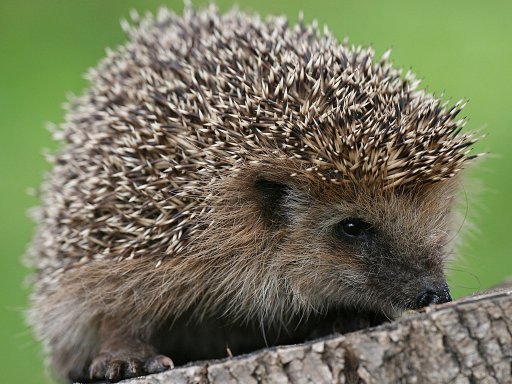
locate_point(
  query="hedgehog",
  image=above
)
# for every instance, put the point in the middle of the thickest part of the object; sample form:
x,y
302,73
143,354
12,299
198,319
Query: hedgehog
x,y
229,182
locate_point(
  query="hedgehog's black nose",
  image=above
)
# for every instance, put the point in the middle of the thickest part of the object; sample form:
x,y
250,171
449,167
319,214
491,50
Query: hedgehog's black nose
x,y
434,295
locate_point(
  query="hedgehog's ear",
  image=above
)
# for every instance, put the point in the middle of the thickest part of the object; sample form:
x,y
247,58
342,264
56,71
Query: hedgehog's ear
x,y
270,196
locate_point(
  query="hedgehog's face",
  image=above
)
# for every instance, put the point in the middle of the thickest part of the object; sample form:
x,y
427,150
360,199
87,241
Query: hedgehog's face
x,y
380,251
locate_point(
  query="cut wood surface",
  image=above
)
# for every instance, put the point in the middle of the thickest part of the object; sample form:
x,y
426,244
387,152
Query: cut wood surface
x,y
466,341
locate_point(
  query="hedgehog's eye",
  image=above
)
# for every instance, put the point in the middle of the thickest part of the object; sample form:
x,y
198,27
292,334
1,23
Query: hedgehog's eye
x,y
352,227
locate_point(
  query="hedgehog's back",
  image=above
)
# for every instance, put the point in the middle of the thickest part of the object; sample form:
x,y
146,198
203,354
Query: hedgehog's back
x,y
193,98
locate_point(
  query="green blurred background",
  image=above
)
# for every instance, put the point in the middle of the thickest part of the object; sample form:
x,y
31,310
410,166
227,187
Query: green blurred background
x,y
461,48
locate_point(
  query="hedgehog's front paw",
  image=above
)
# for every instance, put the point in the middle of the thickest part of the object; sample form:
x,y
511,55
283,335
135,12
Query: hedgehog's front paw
x,y
114,367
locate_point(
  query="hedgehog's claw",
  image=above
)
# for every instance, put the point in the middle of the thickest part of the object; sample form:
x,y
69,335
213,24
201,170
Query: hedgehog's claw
x,y
115,370
112,368
98,367
159,363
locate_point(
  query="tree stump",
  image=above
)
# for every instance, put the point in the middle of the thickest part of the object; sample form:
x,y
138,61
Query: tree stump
x,y
466,341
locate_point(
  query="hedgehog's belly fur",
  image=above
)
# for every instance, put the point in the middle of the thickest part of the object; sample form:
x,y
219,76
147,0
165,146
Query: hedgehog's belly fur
x,y
186,341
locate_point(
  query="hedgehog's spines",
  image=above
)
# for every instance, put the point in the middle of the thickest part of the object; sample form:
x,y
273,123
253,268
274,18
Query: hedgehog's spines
x,y
196,98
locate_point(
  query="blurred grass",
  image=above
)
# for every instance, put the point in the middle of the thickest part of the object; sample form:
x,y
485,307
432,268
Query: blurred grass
x,y
461,48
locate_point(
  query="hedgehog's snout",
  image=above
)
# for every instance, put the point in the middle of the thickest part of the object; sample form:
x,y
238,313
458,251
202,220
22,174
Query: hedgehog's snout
x,y
433,294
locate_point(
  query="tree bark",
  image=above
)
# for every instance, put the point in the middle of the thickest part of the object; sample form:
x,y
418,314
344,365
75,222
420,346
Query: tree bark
x,y
467,341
